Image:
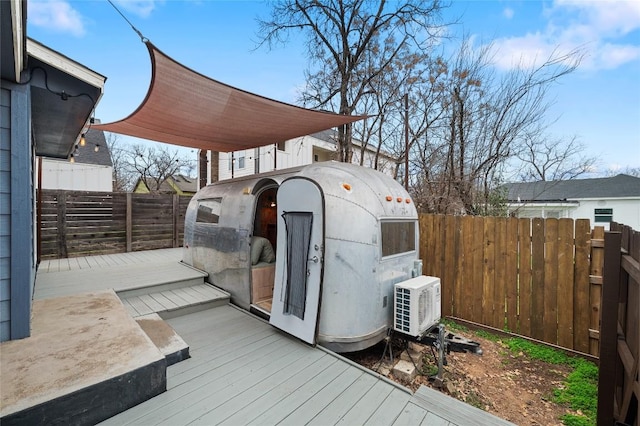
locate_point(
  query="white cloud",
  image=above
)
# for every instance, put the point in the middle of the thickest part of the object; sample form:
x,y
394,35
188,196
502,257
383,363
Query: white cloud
x,y
598,28
142,8
508,13
56,16
607,17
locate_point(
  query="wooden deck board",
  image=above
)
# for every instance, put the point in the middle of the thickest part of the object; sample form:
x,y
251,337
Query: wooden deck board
x,y
212,387
302,394
244,371
218,407
130,308
267,346
441,405
334,411
391,408
187,295
163,300
266,394
365,406
120,278
139,305
181,396
152,303
411,415
432,419
310,408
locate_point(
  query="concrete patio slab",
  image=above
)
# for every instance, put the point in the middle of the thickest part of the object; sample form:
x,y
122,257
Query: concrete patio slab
x,y
85,361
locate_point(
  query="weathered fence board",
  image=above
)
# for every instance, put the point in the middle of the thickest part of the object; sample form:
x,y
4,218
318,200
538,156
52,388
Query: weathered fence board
x,y
618,381
565,278
75,223
528,276
595,289
524,276
537,280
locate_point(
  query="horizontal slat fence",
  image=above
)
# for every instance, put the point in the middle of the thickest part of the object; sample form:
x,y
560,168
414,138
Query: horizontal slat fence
x,y
533,277
78,223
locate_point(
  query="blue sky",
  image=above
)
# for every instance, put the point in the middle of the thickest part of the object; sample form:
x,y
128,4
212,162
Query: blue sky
x,y
599,103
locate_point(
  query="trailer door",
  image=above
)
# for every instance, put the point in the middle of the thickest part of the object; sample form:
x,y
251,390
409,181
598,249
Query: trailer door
x,y
299,258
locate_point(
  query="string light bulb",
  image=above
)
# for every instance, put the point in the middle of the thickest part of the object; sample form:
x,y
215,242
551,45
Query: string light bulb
x,y
97,148
83,140
72,159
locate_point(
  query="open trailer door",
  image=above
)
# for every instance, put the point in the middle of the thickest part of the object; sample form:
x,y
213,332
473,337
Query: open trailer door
x,y
299,258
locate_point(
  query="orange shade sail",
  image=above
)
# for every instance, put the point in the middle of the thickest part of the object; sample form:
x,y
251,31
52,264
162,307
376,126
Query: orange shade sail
x,y
186,108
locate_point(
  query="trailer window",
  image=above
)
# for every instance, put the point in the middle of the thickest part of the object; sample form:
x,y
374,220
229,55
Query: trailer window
x,y
398,237
209,210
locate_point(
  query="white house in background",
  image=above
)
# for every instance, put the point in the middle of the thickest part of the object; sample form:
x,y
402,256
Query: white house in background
x,y
91,169
295,152
601,200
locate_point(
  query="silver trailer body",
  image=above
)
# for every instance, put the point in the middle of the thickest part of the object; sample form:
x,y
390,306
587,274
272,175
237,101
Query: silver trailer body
x,y
343,236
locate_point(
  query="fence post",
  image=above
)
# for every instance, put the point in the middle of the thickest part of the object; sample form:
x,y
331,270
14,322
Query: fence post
x,y
176,201
608,328
62,225
129,224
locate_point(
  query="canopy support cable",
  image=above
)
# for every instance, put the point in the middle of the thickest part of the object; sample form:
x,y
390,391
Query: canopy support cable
x,y
142,38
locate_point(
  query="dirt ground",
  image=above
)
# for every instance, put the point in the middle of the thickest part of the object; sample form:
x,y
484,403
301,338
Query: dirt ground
x,y
510,386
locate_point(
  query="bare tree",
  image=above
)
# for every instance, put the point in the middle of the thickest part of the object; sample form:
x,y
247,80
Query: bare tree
x,y
154,165
151,164
123,178
631,171
481,121
351,42
553,159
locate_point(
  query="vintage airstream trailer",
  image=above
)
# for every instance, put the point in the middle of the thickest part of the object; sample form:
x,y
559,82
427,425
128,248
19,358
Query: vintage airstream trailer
x,y
342,235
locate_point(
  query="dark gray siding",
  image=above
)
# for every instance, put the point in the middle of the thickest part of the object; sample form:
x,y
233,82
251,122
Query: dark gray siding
x,y
5,214
17,263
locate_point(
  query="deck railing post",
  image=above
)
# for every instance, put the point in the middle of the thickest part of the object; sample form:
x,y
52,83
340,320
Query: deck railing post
x,y
608,328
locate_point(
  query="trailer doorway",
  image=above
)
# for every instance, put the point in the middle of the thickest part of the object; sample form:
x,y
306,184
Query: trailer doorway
x,y
263,246
300,258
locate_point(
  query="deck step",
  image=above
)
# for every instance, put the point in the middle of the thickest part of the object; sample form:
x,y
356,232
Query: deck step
x,y
126,280
173,302
168,342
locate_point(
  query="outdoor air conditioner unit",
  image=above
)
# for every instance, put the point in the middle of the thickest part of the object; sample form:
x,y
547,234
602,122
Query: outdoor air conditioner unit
x,y
416,305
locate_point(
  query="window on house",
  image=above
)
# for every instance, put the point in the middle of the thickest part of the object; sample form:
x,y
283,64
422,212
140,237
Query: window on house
x,y
603,215
241,162
209,210
398,237
281,146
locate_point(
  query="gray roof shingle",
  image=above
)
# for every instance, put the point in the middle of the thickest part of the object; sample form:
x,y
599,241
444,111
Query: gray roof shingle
x,y
612,187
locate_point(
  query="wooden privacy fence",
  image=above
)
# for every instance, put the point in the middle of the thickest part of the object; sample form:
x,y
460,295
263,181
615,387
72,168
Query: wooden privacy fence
x,y
540,278
79,223
618,385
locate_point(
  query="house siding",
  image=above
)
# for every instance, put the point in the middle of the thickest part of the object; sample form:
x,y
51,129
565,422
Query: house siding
x,y
61,174
5,214
626,211
17,243
298,152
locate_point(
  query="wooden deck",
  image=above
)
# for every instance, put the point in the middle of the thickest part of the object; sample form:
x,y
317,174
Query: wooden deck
x,y
244,371
147,281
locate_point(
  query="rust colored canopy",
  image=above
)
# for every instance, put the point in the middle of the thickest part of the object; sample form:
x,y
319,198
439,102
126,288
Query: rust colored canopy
x,y
183,107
